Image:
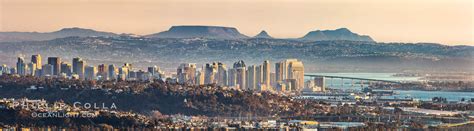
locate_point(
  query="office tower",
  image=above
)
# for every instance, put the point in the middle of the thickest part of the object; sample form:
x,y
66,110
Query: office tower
x,y
32,69
75,65
66,68
56,63
221,74
273,79
186,73
102,72
279,71
112,72
123,73
251,81
128,65
266,73
320,82
210,73
4,69
21,66
200,77
259,75
154,70
36,59
232,78
90,73
296,71
290,69
47,70
240,70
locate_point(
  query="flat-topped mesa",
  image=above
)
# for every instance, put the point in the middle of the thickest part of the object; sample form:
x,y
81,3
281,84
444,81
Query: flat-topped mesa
x,y
213,32
263,34
338,34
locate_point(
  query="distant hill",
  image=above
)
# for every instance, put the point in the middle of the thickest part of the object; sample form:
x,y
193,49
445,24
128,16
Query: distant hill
x,y
338,34
39,36
263,34
212,32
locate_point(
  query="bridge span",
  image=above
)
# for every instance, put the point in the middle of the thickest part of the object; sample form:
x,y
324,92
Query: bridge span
x,y
352,78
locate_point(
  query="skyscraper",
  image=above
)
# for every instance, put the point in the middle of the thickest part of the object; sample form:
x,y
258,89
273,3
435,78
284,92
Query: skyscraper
x,y
221,74
66,68
90,73
102,72
251,81
290,69
31,69
210,73
36,59
47,70
21,66
56,63
112,72
187,73
240,70
266,73
296,71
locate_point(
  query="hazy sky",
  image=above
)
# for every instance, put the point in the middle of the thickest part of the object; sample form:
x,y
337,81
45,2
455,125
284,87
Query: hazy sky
x,y
441,21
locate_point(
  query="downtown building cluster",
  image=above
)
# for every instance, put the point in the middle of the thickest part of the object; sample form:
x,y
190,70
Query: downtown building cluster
x,y
288,75
78,70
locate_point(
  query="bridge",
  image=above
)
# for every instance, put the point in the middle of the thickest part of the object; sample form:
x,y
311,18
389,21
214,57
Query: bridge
x,y
342,78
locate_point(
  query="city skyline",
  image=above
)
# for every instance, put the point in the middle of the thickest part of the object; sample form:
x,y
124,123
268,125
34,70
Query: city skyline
x,y
409,21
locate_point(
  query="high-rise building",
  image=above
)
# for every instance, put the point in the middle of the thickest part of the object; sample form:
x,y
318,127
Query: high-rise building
x,y
186,73
47,70
240,70
90,73
320,82
200,77
232,77
75,65
31,69
290,69
102,73
36,59
259,76
221,74
66,68
266,73
21,66
112,72
296,71
251,81
210,73
56,63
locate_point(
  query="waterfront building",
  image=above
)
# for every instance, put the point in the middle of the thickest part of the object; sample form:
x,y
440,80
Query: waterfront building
x,y
56,63
36,59
90,73
320,83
